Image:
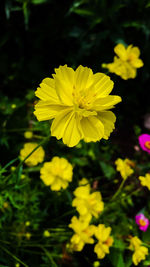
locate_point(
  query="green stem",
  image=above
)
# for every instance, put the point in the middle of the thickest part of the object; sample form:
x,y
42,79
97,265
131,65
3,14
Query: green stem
x,y
119,189
13,256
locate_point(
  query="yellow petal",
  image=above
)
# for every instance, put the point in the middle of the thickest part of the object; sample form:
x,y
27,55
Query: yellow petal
x,y
137,63
92,128
103,84
83,78
121,51
108,119
66,126
106,102
64,81
46,91
46,110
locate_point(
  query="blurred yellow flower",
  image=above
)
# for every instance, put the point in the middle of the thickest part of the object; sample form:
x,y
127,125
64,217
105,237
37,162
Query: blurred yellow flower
x,y
102,233
124,167
56,173
79,103
87,203
126,62
83,233
36,157
140,252
28,135
28,235
145,181
46,233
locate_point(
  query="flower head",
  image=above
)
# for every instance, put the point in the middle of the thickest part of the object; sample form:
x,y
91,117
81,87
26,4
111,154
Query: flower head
x,y
83,233
35,158
124,167
145,181
142,221
56,173
79,103
139,251
126,62
102,233
28,135
87,203
144,141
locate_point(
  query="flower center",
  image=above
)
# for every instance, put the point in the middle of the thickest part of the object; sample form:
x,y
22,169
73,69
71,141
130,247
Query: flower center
x,y
142,222
109,241
147,144
83,99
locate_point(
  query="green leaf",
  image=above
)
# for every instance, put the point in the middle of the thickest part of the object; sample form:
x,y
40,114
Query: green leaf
x,y
108,170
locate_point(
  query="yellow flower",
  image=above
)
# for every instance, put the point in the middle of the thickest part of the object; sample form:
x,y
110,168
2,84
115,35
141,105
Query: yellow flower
x,y
83,232
36,157
57,173
46,233
102,233
28,135
127,62
28,235
79,103
145,181
140,252
87,203
124,167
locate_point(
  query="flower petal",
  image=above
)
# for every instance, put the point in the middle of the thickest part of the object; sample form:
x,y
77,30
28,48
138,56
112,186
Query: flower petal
x,y
46,91
108,119
103,85
46,110
64,81
66,126
106,102
92,128
121,51
83,78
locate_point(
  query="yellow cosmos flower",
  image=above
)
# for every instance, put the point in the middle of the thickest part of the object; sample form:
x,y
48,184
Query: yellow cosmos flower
x,y
126,62
36,157
102,233
83,233
124,167
79,103
56,173
140,252
87,203
145,181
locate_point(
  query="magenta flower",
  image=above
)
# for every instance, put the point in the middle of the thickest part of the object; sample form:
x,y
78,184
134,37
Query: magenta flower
x,y
142,221
144,141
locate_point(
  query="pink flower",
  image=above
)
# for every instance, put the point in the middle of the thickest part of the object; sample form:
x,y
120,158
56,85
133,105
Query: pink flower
x,y
142,221
144,141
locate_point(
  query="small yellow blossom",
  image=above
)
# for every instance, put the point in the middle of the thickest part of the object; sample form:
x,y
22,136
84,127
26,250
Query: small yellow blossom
x,y
145,181
105,241
17,265
140,251
83,233
13,168
86,202
126,62
79,104
28,235
56,173
96,264
36,157
27,223
28,135
13,106
46,233
124,167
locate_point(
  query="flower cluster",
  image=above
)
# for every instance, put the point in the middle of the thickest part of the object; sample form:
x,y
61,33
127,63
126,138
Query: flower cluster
x,y
79,102
126,62
124,167
57,173
36,157
140,251
87,203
